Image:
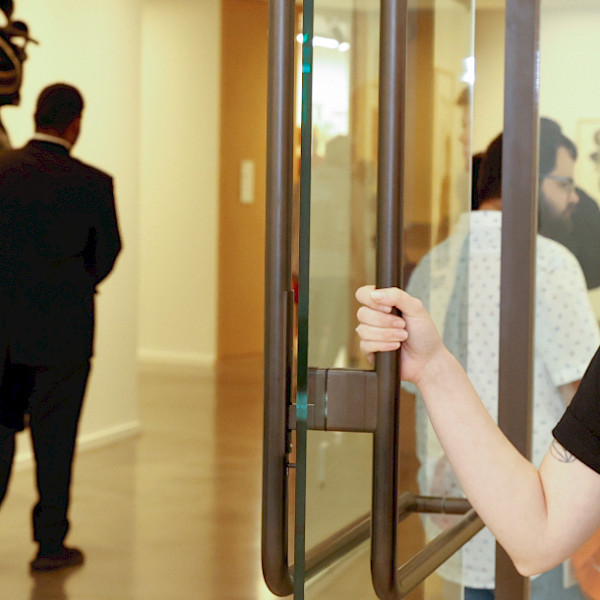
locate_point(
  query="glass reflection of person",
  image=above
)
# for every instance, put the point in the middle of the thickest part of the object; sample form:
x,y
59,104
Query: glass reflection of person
x,y
459,282
558,198
568,214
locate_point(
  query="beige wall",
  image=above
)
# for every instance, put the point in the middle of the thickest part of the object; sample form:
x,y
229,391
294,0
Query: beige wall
x,y
179,167
96,46
243,138
569,50
569,88
488,91
149,70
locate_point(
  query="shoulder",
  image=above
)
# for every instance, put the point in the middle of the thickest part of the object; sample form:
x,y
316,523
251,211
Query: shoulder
x,y
98,183
13,156
436,269
552,255
558,273
90,171
16,164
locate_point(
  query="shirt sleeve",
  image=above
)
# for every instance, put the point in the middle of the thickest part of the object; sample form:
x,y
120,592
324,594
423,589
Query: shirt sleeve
x,y
566,330
579,429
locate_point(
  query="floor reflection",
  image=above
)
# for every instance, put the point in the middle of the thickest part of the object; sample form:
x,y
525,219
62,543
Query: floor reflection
x,y
173,513
51,586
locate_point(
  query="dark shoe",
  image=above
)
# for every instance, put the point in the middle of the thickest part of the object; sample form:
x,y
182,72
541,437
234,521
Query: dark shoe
x,y
65,557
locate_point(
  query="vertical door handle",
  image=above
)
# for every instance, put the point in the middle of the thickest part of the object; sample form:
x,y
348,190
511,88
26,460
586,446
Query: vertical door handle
x,y
392,76
519,229
278,297
389,581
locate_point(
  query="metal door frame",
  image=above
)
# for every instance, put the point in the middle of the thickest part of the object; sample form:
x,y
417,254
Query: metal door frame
x,y
521,108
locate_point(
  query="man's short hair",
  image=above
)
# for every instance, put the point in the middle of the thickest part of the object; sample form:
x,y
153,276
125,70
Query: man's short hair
x,y
489,178
551,139
57,107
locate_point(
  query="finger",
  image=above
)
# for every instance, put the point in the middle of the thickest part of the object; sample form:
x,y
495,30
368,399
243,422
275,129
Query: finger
x,y
370,357
370,348
363,293
395,297
364,296
384,299
376,318
381,334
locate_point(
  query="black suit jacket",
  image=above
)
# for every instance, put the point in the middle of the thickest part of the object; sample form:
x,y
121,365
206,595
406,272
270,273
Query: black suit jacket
x,y
58,239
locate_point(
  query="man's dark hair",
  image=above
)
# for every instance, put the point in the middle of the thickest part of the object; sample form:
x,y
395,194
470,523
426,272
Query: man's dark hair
x,y
476,161
57,107
551,139
489,178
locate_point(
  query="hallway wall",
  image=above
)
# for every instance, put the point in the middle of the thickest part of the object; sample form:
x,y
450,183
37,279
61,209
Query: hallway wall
x,y
244,52
179,182
569,45
96,46
569,90
488,91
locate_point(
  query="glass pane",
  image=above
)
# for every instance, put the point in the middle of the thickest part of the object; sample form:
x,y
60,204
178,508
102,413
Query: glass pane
x,y
566,329
451,254
343,176
342,256
438,235
342,240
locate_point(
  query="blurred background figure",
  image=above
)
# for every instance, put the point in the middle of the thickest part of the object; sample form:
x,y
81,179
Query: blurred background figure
x,y
567,213
14,37
459,282
578,227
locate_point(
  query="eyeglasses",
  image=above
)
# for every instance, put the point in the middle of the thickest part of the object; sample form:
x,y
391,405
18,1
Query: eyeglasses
x,y
564,183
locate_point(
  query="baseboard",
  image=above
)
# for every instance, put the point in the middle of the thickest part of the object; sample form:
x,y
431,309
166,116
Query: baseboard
x,y
151,361
85,442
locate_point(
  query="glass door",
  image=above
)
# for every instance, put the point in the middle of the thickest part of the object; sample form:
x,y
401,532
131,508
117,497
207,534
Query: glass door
x,y
372,174
341,252
392,83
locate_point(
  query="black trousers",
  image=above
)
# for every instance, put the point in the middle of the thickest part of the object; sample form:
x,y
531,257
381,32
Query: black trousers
x,y
52,397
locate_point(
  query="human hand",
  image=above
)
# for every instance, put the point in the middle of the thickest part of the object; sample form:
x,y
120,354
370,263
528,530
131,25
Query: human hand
x,y
380,330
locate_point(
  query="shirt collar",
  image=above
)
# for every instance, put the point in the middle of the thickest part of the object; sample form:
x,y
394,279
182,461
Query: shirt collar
x,y
44,137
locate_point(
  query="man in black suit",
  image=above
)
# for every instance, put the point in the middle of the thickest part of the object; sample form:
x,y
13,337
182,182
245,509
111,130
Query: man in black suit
x,y
59,238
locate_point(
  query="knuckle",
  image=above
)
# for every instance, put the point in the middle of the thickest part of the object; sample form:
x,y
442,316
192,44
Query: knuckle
x,y
419,304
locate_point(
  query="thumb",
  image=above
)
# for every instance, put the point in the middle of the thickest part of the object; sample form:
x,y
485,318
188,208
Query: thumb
x,y
395,297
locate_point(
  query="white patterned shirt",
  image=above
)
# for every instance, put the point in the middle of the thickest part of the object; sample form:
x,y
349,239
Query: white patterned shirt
x,y
459,282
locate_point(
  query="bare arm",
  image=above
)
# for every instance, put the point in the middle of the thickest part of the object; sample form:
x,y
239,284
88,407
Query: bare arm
x,y
567,391
539,517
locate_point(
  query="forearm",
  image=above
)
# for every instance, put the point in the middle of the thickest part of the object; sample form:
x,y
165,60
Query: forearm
x,y
504,488
540,517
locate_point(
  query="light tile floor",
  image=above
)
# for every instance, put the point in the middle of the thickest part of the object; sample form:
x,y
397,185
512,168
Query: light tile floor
x,y
173,513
